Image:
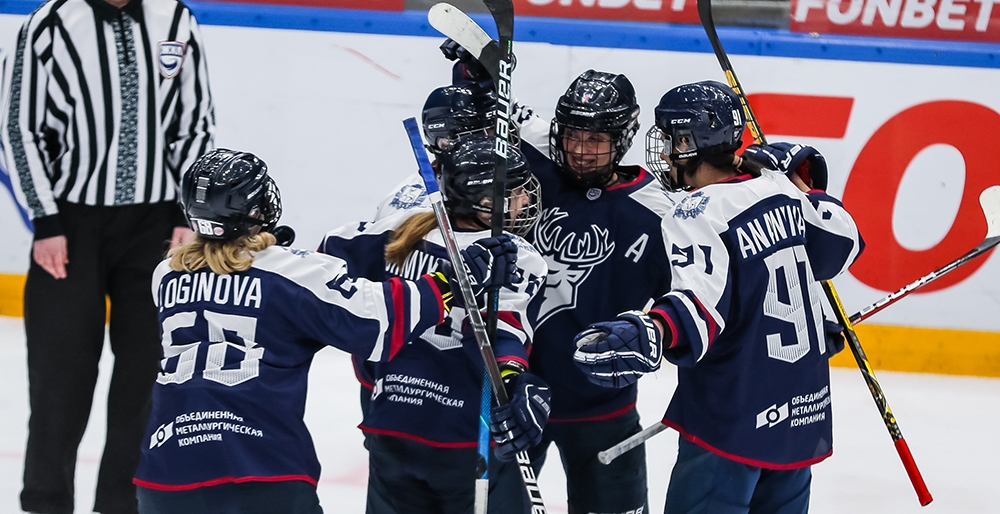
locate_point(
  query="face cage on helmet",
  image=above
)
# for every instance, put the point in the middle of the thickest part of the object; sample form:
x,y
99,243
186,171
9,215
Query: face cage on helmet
x,y
524,221
621,142
656,143
270,206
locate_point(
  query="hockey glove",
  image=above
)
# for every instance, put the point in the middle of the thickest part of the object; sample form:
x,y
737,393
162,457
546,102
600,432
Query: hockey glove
x,y
492,263
517,426
805,161
616,353
467,71
834,337
489,262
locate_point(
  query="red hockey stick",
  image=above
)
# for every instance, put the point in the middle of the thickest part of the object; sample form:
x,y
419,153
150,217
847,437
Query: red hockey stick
x,y
924,495
989,199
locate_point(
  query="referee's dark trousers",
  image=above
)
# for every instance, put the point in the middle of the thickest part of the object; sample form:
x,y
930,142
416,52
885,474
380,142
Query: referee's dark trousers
x,y
112,252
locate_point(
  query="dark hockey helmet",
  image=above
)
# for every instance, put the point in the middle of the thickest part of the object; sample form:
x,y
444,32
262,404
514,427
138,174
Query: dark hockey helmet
x,y
600,103
467,183
226,192
694,120
453,111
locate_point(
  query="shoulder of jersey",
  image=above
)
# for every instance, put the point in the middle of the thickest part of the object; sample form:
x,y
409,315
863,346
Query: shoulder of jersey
x,y
373,228
648,192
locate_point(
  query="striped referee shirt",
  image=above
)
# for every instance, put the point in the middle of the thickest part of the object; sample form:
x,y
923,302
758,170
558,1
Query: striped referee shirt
x,y
106,106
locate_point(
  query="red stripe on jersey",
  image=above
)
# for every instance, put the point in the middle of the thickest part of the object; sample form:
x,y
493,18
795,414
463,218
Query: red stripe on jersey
x,y
713,328
744,460
510,318
665,318
636,180
220,481
399,316
609,415
418,439
440,301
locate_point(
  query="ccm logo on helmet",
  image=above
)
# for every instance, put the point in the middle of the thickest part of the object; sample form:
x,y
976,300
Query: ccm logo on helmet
x,y
679,121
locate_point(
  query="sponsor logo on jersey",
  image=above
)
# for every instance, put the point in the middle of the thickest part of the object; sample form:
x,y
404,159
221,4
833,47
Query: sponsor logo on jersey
x,y
170,57
691,206
571,258
772,415
594,193
162,435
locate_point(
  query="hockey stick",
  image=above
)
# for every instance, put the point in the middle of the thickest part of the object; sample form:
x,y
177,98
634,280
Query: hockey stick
x,y
475,317
923,494
989,199
454,23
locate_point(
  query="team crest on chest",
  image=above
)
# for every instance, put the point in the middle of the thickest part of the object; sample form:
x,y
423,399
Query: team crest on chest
x,y
691,206
170,58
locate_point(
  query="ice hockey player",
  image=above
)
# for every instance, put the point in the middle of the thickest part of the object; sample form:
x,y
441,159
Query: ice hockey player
x,y
449,113
600,228
241,319
422,423
743,321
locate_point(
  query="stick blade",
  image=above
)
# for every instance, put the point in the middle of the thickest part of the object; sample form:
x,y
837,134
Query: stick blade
x,y
452,22
989,199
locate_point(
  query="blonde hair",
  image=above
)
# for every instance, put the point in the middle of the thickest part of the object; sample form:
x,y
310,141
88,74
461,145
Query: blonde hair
x,y
222,256
407,235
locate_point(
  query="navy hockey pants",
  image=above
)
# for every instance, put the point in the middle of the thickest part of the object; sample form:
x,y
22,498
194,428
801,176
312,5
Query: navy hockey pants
x,y
290,497
407,477
592,487
705,483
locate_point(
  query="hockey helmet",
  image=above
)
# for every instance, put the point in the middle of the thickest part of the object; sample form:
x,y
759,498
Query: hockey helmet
x,y
694,120
226,192
453,111
598,103
467,183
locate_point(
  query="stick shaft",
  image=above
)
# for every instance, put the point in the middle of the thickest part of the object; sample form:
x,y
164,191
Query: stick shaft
x,y
475,318
923,495
892,298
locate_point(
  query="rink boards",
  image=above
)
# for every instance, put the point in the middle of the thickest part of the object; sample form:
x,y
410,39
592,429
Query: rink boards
x,y
907,128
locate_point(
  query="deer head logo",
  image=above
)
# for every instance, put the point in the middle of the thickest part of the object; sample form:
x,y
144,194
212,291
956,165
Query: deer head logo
x,y
571,257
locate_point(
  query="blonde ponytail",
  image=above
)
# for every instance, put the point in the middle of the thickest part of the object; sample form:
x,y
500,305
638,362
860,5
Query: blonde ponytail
x,y
222,256
407,235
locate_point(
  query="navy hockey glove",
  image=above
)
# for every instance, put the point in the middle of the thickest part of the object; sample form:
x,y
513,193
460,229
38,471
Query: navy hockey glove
x,y
616,353
492,263
467,69
834,337
517,426
805,161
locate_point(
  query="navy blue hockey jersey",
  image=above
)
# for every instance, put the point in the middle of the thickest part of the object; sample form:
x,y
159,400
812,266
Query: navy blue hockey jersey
x,y
746,317
605,256
229,401
430,392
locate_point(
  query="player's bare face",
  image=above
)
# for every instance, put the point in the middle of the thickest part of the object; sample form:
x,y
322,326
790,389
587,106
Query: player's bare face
x,y
588,152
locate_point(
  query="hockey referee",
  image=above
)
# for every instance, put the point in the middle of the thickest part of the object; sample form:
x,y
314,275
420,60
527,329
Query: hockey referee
x,y
108,104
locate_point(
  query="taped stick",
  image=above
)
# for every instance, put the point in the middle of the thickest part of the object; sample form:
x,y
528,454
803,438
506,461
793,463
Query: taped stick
x,y
923,494
989,199
465,285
